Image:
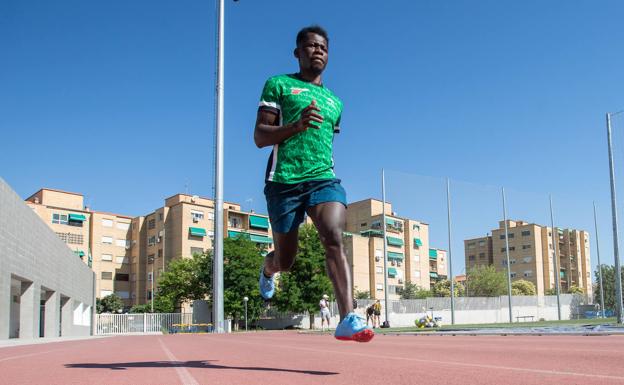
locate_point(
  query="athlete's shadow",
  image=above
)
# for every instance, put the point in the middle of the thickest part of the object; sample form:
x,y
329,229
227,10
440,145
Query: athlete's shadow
x,y
189,364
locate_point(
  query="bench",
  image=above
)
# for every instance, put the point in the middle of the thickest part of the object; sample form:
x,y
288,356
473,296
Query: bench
x,y
524,317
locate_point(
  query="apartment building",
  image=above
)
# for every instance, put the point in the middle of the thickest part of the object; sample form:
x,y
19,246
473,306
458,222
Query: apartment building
x,y
438,265
64,212
531,255
129,254
407,243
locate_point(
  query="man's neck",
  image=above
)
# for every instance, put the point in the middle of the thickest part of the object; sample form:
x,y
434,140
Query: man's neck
x,y
310,77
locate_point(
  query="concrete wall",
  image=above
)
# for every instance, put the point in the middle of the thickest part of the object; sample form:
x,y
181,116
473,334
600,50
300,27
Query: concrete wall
x,y
39,275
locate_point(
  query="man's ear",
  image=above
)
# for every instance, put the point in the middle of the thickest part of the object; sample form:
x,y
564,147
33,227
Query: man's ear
x,y
296,52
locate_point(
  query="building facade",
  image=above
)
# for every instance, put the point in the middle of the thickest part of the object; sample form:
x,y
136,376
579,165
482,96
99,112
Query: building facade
x,y
407,245
438,265
129,254
532,253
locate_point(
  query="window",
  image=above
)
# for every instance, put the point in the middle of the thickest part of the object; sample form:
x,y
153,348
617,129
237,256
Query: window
x,y
526,233
471,257
108,275
107,257
149,294
502,236
525,247
415,227
528,273
160,253
107,240
121,260
105,293
511,248
379,287
363,224
234,222
416,273
123,294
60,219
481,255
73,239
211,216
150,259
160,216
376,225
151,241
197,216
527,259
210,234
481,243
123,226
511,235
122,277
107,222
196,250
512,274
150,275
472,245
378,253
379,270
122,243
151,224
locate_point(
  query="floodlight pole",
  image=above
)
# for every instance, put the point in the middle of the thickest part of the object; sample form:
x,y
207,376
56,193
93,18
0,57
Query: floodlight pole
x,y
450,263
385,240
555,258
217,279
507,256
599,265
616,250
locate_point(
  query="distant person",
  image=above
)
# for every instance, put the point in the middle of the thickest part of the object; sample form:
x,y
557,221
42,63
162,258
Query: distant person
x,y
376,313
370,314
325,315
298,116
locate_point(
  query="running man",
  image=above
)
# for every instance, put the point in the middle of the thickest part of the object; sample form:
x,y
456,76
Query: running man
x,y
299,116
325,316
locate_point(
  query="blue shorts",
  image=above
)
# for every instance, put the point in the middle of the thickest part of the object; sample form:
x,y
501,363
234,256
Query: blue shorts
x,y
287,203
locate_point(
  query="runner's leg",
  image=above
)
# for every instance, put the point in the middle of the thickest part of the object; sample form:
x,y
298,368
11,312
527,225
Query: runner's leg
x,y
329,219
283,257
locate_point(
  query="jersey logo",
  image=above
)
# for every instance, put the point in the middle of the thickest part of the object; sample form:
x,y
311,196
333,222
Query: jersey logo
x,y
297,91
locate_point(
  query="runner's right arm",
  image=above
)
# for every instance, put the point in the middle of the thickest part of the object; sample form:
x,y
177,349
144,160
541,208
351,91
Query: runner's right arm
x,y
268,132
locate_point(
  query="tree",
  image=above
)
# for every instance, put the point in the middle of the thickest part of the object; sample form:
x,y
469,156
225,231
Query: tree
x,y
523,287
109,304
186,279
301,288
442,288
161,305
413,291
575,290
362,294
551,291
485,281
242,260
608,280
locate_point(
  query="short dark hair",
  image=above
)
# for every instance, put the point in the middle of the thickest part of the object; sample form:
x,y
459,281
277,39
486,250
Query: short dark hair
x,y
317,29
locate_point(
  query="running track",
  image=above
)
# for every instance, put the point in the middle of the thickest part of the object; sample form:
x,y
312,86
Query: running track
x,y
291,358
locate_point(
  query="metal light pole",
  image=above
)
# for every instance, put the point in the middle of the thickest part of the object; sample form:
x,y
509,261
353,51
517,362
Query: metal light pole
x,y
245,299
616,251
599,265
217,279
450,264
152,288
507,255
555,257
385,240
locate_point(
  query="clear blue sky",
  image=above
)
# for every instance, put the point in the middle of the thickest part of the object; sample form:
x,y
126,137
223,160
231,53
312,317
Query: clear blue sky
x,y
115,100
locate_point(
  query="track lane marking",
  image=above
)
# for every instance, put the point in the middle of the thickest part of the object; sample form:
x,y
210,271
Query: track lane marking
x,y
183,373
29,355
449,363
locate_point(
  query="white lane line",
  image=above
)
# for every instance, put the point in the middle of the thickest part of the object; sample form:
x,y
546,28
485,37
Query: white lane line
x,y
29,355
448,363
183,374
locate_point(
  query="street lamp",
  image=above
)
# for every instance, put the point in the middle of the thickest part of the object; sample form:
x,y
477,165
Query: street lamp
x,y
245,299
616,251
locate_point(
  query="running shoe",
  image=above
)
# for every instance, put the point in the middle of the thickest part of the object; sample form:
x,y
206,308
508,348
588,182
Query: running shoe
x,y
267,285
353,328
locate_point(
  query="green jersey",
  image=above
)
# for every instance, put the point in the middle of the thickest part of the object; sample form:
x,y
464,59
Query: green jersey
x,y
308,154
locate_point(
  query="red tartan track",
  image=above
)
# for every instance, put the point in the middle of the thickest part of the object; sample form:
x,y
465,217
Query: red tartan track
x,y
292,358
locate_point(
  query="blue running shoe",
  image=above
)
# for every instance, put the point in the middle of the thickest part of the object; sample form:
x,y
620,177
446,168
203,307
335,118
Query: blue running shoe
x,y
353,328
267,285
